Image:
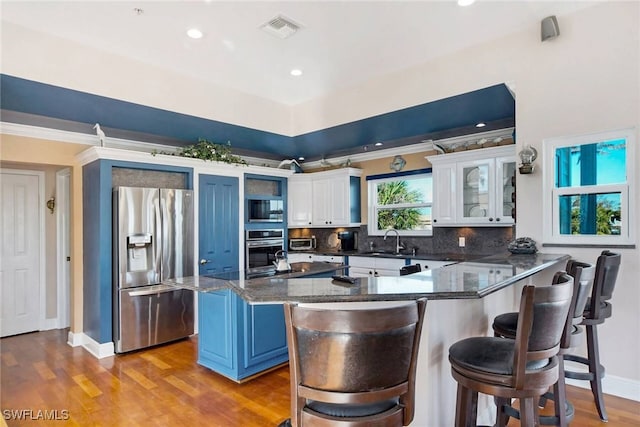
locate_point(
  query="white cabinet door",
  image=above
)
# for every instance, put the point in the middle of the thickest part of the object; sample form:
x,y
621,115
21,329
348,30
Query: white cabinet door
x,y
291,257
331,201
369,266
444,191
360,272
505,190
429,264
321,197
338,201
474,187
328,258
300,199
475,195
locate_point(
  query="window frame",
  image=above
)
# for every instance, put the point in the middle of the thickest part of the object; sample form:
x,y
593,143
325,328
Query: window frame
x,y
551,193
372,219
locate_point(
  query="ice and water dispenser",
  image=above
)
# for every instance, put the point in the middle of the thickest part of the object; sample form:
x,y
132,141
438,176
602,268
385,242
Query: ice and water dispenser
x,y
140,257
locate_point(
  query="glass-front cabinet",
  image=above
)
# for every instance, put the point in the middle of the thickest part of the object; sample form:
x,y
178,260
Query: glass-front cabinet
x,y
476,195
474,187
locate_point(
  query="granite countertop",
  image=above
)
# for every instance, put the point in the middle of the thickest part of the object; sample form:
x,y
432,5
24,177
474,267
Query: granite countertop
x,y
469,279
225,280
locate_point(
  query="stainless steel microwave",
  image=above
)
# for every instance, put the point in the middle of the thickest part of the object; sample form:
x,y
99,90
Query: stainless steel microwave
x,y
302,244
265,210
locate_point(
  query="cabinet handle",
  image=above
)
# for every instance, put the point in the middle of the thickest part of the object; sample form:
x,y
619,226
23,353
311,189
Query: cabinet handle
x,y
490,219
497,219
371,272
375,274
435,220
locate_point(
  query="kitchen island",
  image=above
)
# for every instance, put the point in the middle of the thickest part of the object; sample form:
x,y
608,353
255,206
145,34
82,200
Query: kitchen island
x,y
308,283
462,299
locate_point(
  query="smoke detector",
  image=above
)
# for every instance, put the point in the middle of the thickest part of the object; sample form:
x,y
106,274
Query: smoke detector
x,y
281,27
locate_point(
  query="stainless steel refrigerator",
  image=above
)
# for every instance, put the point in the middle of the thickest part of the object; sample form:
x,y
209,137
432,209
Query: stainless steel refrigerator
x,y
153,241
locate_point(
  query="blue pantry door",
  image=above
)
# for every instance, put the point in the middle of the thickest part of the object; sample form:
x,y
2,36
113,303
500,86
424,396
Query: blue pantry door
x,y
218,224
218,221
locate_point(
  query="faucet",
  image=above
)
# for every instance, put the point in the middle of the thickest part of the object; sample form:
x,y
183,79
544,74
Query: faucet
x,y
399,246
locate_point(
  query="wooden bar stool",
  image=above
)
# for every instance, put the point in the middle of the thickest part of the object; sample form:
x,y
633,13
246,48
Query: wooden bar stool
x,y
505,326
597,310
353,367
523,368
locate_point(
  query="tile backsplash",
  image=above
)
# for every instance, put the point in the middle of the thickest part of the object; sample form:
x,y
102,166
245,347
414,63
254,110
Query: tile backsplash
x,y
478,240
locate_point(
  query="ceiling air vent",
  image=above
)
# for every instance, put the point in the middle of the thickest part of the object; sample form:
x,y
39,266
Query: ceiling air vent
x,y
281,27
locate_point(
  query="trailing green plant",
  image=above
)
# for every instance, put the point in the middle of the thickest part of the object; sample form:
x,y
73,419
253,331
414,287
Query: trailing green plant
x,y
207,150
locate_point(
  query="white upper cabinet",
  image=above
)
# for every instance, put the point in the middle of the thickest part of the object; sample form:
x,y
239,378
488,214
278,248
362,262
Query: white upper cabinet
x,y
300,201
474,188
324,199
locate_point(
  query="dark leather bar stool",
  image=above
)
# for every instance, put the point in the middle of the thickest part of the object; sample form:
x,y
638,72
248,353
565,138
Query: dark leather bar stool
x,y
505,325
353,367
597,310
410,269
523,368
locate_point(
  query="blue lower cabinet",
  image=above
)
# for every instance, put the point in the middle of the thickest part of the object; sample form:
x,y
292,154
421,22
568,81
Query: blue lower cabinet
x,y
237,339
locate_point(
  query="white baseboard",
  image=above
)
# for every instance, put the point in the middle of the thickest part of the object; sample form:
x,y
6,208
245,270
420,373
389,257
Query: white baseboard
x,y
98,350
611,384
74,340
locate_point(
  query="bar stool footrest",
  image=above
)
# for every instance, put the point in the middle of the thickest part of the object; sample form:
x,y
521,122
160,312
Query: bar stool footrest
x,y
584,376
547,420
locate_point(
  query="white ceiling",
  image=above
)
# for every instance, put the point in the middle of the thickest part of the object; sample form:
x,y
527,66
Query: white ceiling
x,y
340,45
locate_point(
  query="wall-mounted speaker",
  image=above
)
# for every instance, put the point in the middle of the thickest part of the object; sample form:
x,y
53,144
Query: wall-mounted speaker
x,y
549,28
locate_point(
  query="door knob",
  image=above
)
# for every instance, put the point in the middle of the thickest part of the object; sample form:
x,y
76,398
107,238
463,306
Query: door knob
x,y
203,261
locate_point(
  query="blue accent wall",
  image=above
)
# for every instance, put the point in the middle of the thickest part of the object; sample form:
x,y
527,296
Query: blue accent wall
x,y
25,96
97,243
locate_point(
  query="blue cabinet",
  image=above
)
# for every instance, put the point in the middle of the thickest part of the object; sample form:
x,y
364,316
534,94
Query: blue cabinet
x,y
237,339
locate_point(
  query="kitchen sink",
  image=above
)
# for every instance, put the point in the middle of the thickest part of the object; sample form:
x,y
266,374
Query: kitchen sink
x,y
385,253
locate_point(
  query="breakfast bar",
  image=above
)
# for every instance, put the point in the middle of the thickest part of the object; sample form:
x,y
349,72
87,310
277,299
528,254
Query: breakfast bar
x,y
462,300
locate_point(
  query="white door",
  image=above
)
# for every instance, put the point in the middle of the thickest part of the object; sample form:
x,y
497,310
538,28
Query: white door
x,y
21,251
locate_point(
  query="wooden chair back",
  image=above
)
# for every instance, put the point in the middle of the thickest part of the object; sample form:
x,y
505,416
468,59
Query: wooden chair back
x,y
583,275
541,323
352,357
607,268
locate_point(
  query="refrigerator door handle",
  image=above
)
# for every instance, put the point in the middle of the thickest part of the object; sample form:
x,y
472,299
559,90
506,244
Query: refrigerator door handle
x,y
153,290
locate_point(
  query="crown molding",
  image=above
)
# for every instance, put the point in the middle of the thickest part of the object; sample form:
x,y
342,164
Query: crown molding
x,y
420,147
50,134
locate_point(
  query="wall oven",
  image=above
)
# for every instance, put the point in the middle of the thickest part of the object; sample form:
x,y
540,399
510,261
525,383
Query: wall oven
x,y
261,247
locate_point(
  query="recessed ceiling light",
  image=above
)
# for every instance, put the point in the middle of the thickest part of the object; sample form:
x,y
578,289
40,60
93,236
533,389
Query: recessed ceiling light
x,y
296,72
466,2
378,144
480,124
194,33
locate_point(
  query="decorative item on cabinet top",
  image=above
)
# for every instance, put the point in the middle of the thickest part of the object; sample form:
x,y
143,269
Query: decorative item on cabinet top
x,y
207,150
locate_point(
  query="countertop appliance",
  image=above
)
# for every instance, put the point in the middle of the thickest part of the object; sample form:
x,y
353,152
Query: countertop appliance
x,y
153,241
302,243
261,247
348,240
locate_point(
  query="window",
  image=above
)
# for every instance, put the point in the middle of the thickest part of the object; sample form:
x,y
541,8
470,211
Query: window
x,y
589,184
401,201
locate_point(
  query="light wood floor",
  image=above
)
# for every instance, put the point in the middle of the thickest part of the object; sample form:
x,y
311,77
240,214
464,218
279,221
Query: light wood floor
x,y
165,386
